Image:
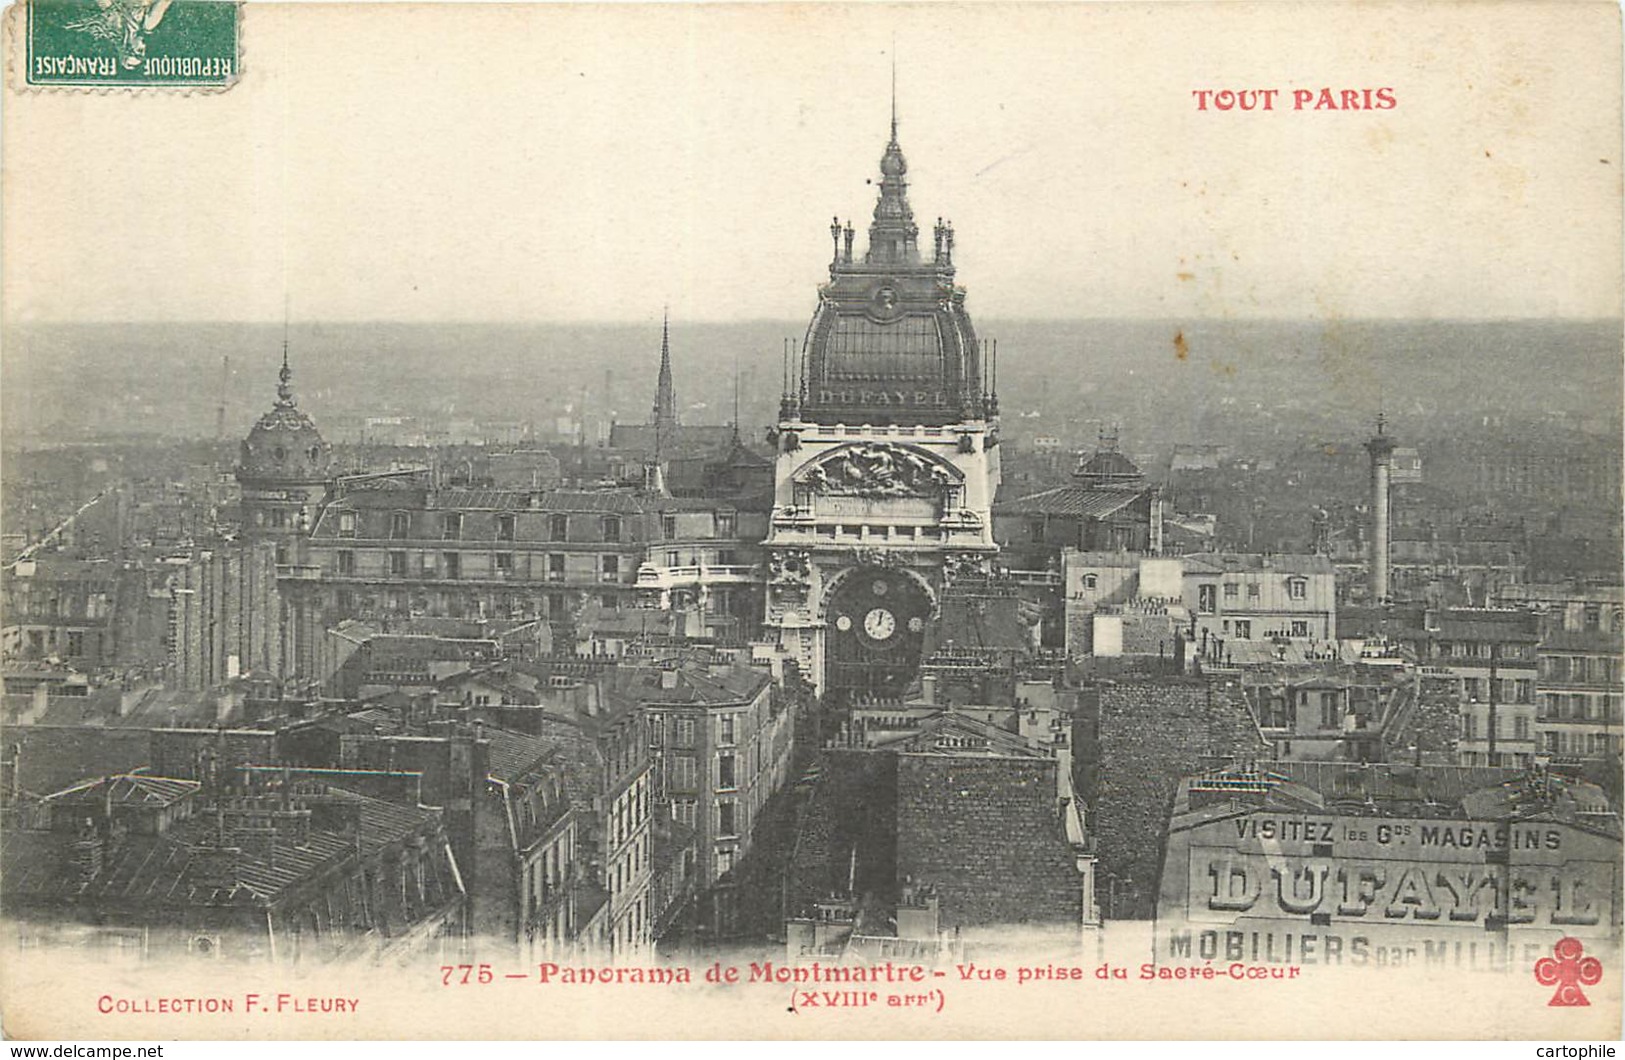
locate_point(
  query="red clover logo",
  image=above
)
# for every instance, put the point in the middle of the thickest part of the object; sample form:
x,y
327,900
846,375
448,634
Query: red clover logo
x,y
1568,972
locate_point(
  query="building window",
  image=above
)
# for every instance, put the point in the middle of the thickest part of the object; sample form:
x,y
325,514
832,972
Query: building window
x,y
1090,581
1244,629
1300,628
397,564
610,568
684,732
684,772
1520,728
612,528
1330,716
683,810
347,524
1551,706
1252,590
726,524
453,564
400,525
727,823
668,527
725,730
505,527
1206,601
503,562
673,559
76,643
451,528
1469,727
1297,588
1231,590
558,527
1035,528
346,561
555,566
725,772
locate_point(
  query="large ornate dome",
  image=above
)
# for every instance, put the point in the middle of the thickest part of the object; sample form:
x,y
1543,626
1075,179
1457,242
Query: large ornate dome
x,y
284,446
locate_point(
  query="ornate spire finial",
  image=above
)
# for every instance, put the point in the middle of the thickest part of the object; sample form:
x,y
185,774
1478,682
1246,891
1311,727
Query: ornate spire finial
x,y
893,234
284,387
894,89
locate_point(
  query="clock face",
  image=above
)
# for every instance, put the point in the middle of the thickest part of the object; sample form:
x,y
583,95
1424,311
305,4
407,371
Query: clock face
x,y
843,623
880,624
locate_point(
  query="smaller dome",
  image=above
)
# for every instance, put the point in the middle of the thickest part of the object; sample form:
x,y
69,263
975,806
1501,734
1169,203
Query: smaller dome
x,y
284,446
1109,463
1108,467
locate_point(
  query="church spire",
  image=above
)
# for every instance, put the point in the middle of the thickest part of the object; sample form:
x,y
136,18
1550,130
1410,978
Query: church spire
x,y
664,415
665,408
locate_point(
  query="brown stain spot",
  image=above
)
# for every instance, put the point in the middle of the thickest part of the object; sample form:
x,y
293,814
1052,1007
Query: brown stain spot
x,y
1186,275
1182,350
1488,155
1331,450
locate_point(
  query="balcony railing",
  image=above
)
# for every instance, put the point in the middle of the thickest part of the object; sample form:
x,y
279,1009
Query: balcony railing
x,y
1035,577
653,577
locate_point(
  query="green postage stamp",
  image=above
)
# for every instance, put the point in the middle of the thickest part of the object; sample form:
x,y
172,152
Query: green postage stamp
x,y
133,43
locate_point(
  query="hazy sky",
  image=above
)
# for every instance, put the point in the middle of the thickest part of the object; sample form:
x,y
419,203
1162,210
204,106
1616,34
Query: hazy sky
x,y
477,162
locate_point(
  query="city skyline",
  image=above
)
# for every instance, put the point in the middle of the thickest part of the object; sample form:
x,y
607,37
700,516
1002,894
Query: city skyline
x,y
690,163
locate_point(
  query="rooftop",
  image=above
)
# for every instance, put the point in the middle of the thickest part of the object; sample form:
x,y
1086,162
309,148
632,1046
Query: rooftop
x,y
1251,562
126,789
702,686
179,869
1094,502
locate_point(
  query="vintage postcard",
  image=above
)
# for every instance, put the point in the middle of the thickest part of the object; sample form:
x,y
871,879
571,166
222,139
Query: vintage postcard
x,y
811,521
